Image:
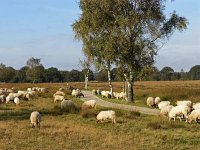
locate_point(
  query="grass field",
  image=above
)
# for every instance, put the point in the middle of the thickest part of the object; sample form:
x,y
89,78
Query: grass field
x,y
73,130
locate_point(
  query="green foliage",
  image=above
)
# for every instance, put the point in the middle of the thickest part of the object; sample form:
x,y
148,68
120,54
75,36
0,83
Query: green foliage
x,y
194,73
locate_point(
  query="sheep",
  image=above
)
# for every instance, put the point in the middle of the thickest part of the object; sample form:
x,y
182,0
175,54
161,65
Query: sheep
x,y
67,104
103,115
105,94
163,104
150,101
195,115
35,119
90,103
59,93
77,93
8,99
157,101
58,98
165,110
196,106
16,100
29,89
179,111
22,94
184,102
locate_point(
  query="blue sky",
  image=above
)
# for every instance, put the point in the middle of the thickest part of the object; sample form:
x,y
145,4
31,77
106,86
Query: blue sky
x,y
42,29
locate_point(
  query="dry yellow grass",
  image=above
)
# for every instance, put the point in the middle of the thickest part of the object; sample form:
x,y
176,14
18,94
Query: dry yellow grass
x,y
63,130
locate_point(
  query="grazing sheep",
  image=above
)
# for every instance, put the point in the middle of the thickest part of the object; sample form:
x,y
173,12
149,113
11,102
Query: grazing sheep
x,y
184,102
109,114
35,119
58,98
29,89
179,111
165,110
150,102
67,104
90,103
105,94
195,115
8,99
16,100
157,101
163,104
59,93
196,106
77,93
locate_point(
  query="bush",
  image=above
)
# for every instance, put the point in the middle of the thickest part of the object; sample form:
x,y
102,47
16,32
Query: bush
x,y
87,112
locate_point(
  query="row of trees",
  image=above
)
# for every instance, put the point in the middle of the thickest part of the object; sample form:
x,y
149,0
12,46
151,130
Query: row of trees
x,y
34,71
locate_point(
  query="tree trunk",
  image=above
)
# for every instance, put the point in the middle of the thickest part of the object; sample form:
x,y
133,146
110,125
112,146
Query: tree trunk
x,y
124,89
110,83
130,92
86,79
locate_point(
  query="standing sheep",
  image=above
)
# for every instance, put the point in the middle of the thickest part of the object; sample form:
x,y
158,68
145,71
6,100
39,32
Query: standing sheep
x,y
163,104
58,98
109,114
35,119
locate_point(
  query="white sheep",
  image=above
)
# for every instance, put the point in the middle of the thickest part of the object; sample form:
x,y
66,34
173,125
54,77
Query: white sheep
x,y
60,93
109,114
165,110
163,104
196,106
150,101
105,94
179,111
194,116
90,103
58,98
67,104
77,93
98,91
16,100
8,99
157,101
35,119
184,102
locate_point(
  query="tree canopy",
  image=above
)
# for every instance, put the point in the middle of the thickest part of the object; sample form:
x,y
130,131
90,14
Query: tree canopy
x,y
127,33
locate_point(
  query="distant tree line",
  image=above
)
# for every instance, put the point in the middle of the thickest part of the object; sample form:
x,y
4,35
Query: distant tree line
x,y
34,72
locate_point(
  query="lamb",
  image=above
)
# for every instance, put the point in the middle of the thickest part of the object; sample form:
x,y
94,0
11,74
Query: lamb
x,y
157,101
67,104
179,111
35,119
165,110
98,91
90,103
103,115
195,115
150,102
16,100
184,102
163,104
58,98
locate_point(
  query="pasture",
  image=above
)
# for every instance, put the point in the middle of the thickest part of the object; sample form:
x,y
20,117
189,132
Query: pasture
x,y
64,129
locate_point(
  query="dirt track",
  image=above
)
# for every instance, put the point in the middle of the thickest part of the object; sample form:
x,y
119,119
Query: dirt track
x,y
144,110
